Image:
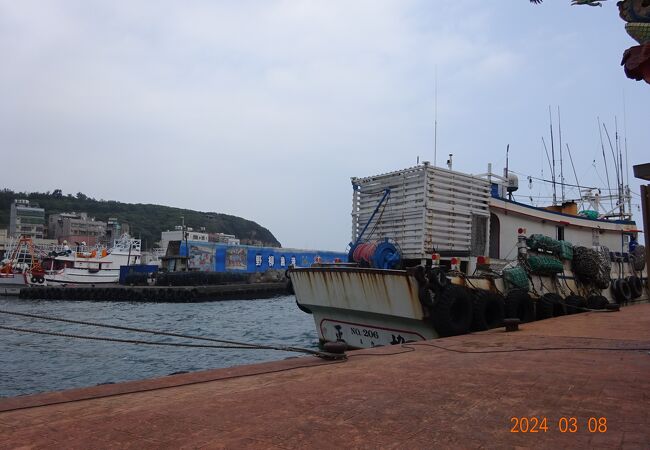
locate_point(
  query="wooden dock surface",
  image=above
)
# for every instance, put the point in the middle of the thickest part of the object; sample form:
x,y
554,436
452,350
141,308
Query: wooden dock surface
x,y
426,395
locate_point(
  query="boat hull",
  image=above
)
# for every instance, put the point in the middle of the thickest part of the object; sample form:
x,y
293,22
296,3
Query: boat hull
x,y
363,307
374,307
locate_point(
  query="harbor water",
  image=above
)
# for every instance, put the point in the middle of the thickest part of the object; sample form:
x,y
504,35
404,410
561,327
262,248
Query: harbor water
x,y
33,363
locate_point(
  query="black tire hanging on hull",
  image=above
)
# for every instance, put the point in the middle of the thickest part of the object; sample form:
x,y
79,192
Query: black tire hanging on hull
x,y
597,302
575,303
621,290
452,311
519,305
488,310
636,287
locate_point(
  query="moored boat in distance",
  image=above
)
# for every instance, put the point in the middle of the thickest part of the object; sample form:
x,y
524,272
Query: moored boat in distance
x,y
98,265
22,265
449,252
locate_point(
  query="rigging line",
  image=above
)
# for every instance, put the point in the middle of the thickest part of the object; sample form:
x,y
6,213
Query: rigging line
x,y
126,341
137,330
602,146
618,176
548,158
174,344
550,181
582,203
537,349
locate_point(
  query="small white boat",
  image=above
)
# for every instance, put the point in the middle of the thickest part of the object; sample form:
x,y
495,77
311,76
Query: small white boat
x,y
97,265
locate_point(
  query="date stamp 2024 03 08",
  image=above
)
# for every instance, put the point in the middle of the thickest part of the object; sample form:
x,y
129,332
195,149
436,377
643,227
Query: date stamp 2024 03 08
x,y
563,425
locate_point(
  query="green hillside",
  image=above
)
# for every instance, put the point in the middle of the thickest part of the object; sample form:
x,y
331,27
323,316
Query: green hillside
x,y
146,221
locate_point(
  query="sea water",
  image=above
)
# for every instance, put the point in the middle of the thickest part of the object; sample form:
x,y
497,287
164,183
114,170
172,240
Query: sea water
x,y
32,363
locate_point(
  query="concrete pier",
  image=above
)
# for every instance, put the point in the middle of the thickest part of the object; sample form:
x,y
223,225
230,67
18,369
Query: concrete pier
x,y
586,385
159,294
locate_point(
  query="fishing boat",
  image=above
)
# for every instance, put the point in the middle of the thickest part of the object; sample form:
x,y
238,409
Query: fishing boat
x,y
22,266
90,265
437,252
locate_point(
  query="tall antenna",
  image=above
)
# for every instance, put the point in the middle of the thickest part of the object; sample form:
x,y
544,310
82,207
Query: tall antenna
x,y
559,129
627,166
602,146
435,120
550,120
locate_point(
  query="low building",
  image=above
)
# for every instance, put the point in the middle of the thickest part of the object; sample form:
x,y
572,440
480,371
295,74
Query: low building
x,y
177,235
26,219
115,229
223,238
76,227
221,257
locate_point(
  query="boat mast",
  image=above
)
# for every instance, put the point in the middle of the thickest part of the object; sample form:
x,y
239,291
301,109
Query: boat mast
x,y
550,120
559,129
435,119
582,204
602,146
618,174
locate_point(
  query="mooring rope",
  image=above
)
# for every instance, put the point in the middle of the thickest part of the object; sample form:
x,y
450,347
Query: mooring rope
x,y
232,344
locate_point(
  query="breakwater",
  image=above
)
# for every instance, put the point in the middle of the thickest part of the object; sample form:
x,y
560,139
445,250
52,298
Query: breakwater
x,y
156,294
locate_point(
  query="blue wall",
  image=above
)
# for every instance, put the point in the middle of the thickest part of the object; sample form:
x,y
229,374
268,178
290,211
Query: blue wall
x,y
217,257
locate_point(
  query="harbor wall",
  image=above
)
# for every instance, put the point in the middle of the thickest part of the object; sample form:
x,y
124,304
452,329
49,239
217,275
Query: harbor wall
x,y
220,257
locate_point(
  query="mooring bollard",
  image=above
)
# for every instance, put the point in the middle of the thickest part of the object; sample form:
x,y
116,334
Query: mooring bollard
x,y
511,324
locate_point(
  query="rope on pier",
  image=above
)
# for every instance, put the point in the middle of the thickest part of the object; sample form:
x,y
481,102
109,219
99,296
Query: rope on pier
x,y
231,344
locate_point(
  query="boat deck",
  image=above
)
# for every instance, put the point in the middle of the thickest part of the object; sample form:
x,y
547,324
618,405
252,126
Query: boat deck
x,y
413,396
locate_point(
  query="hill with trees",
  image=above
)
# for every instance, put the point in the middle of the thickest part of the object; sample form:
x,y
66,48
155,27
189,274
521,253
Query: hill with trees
x,y
146,221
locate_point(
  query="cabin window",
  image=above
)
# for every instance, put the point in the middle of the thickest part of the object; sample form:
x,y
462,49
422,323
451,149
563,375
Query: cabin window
x,y
495,230
560,233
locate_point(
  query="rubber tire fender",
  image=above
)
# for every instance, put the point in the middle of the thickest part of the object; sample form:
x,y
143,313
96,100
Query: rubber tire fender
x,y
636,287
621,291
573,304
438,279
488,310
519,305
559,307
452,311
597,302
544,307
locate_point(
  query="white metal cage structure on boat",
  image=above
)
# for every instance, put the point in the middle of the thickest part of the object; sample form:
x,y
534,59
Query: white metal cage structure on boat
x,y
427,208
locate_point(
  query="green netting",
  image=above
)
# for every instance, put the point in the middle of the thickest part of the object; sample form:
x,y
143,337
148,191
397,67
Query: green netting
x,y
562,249
565,251
544,265
590,214
516,277
539,241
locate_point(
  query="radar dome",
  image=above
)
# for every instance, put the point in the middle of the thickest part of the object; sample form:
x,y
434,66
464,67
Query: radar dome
x,y
512,182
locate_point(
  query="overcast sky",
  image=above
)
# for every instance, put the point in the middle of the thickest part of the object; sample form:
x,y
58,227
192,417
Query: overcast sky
x,y
265,109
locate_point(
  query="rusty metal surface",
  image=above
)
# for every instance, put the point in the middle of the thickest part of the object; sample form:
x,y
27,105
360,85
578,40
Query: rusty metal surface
x,y
387,292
